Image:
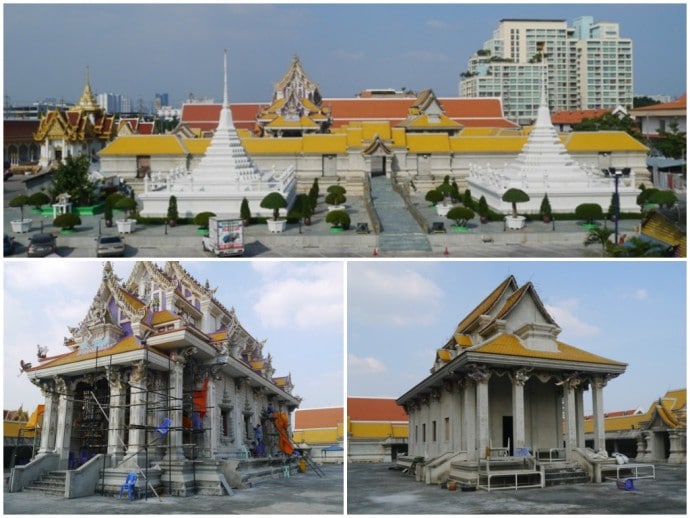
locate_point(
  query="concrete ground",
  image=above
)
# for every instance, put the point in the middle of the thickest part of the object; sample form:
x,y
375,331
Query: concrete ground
x,y
302,493
564,239
377,489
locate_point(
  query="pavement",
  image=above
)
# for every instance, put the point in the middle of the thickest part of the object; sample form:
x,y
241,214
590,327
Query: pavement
x,y
561,239
301,494
377,489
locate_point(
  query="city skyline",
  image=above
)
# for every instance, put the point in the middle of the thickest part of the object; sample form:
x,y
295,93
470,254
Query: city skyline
x,y
185,46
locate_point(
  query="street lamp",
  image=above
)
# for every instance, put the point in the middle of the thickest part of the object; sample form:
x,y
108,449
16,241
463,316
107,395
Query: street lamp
x,y
616,203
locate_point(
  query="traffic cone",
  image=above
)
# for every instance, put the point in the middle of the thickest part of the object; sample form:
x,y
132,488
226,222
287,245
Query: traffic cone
x,y
445,252
375,252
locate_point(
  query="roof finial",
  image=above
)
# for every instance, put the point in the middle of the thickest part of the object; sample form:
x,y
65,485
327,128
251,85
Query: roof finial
x,y
225,85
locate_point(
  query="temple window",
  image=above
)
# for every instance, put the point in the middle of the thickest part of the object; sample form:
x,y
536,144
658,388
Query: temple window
x,y
446,429
423,432
433,431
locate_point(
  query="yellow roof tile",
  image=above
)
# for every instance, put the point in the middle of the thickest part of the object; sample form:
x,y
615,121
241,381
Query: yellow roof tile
x,y
145,145
161,317
602,141
510,345
127,344
444,355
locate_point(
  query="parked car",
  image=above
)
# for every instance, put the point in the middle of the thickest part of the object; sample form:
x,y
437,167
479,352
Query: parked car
x,y
110,246
8,243
42,245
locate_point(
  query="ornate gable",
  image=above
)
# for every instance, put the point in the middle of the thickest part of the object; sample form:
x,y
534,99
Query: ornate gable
x,y
426,114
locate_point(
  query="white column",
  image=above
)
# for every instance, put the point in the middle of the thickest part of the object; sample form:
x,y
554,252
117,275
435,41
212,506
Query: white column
x,y
580,416
483,432
49,424
137,414
176,392
519,380
64,424
570,419
598,410
469,419
212,420
116,417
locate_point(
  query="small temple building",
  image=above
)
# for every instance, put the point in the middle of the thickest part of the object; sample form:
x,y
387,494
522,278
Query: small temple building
x,y
159,379
505,393
376,429
320,432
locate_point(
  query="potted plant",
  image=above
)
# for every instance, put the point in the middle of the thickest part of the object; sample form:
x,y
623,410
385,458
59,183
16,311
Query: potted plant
x,y
446,190
173,215
483,210
339,219
127,204
22,224
37,200
461,215
515,196
67,222
275,201
589,212
245,212
336,197
545,209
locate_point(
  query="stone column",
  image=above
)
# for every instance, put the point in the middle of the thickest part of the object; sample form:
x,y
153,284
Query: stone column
x,y
676,447
50,413
483,432
580,416
212,420
649,449
118,392
519,379
137,413
469,418
598,385
570,418
64,423
175,385
641,447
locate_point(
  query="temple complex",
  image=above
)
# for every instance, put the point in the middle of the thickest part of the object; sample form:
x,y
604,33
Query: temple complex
x,y
504,394
222,179
159,379
418,139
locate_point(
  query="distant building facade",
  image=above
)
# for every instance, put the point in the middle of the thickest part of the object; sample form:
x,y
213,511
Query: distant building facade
x,y
590,66
319,431
377,430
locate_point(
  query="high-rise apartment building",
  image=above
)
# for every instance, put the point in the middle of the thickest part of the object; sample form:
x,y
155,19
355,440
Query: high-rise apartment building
x,y
589,66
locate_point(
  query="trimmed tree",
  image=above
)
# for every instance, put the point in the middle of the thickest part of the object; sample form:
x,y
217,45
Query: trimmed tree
x,y
335,198
589,212
201,219
67,221
172,211
483,210
434,196
338,218
19,202
302,208
545,209
245,212
461,215
274,201
38,199
127,204
663,198
336,188
515,196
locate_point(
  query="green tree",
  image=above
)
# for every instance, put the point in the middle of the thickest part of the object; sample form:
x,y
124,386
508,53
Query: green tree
x,y
663,198
201,219
19,202
245,212
72,177
127,204
274,201
173,215
610,122
671,144
434,196
483,209
302,208
338,218
545,208
335,198
589,212
460,214
67,221
515,196
38,199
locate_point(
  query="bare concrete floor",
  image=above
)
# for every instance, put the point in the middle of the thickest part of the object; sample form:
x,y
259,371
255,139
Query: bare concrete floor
x,y
300,494
376,489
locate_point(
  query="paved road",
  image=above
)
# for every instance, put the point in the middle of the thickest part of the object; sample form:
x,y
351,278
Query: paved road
x,y
376,489
299,495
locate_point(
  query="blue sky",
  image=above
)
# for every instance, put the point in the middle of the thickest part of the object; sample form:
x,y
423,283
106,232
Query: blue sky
x,y
400,312
296,306
137,50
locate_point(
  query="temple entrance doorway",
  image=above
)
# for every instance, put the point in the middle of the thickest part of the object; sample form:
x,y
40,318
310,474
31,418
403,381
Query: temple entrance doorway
x,y
507,438
378,166
90,432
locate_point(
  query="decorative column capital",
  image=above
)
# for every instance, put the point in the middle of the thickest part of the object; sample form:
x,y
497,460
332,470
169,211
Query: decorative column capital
x,y
520,376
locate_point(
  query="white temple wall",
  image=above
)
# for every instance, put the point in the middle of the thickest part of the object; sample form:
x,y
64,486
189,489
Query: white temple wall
x,y
543,409
500,405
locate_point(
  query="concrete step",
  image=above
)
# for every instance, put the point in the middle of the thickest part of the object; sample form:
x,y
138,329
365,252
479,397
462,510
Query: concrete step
x,y
52,483
565,475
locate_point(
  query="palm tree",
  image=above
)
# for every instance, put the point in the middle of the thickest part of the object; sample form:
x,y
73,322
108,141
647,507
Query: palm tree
x,y
600,236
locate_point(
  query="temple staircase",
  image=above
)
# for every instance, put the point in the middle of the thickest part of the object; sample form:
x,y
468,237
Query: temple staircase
x,y
400,232
51,483
558,473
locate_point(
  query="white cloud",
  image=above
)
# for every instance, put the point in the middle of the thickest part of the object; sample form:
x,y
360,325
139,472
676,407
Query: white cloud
x,y
641,294
309,296
364,366
392,296
564,313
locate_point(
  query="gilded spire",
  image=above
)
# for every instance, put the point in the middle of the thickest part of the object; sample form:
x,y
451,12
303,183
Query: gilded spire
x,y
87,100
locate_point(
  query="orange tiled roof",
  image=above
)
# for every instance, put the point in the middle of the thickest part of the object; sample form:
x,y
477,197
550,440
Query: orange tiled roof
x,y
19,130
127,344
374,409
677,104
576,116
310,418
206,116
161,317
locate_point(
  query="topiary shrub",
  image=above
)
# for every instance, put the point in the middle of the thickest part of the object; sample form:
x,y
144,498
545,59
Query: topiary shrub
x,y
434,196
335,198
67,221
461,215
173,215
245,212
274,201
339,219
38,199
589,212
202,218
515,196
